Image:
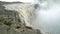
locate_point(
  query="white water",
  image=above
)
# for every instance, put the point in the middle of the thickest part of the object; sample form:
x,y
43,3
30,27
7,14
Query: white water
x,y
48,17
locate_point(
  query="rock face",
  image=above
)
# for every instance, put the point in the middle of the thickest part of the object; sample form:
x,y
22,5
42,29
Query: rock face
x,y
10,23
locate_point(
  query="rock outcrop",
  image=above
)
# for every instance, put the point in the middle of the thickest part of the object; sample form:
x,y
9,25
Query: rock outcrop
x,y
10,22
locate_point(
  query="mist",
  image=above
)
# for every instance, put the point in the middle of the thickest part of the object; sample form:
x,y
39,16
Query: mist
x,y
48,17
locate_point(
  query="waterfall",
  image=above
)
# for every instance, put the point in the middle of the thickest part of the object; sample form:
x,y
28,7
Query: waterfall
x,y
47,16
25,11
